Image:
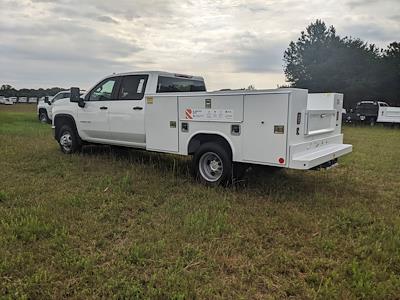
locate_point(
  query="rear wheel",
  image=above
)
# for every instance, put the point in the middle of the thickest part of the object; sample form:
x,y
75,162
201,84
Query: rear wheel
x,y
212,164
69,140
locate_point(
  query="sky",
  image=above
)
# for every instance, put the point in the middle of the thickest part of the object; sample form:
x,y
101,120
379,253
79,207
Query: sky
x,y
231,43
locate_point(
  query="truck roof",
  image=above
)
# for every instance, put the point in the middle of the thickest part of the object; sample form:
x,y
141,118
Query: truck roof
x,y
162,73
371,102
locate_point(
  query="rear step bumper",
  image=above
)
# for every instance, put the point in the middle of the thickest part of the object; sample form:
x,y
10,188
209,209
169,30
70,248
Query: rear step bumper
x,y
313,158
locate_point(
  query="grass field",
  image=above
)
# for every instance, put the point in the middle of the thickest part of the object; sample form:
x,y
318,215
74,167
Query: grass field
x,y
130,224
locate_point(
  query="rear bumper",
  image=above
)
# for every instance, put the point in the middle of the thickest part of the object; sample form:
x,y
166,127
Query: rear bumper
x,y
315,157
315,152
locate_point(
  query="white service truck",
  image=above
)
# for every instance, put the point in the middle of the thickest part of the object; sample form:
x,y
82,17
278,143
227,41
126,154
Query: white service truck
x,y
44,106
223,131
388,114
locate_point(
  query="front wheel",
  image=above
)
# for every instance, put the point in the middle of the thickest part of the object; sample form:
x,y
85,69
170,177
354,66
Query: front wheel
x,y
372,121
43,117
69,140
212,164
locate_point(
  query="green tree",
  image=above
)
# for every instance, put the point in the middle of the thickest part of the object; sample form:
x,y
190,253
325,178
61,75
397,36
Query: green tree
x,y
391,59
306,59
5,87
322,61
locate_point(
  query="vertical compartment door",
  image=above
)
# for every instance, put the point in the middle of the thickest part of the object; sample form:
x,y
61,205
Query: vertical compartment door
x,y
161,123
265,128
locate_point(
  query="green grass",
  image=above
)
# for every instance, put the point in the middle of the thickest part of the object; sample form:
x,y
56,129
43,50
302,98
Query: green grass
x,y
130,224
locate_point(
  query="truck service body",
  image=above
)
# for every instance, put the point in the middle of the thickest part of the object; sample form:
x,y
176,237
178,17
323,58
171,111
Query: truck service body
x,y
173,113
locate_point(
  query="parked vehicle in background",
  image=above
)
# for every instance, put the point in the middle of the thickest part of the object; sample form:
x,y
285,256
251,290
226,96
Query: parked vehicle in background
x,y
365,112
6,101
44,106
388,115
224,132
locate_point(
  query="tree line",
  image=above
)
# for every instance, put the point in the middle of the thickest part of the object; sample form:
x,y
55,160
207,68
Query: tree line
x,y
322,61
8,91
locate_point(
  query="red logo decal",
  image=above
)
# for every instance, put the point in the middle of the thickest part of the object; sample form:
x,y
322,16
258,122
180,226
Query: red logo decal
x,y
189,114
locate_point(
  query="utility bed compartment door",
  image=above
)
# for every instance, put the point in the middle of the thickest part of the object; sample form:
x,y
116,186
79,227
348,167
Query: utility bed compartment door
x,y
265,128
161,123
211,108
320,121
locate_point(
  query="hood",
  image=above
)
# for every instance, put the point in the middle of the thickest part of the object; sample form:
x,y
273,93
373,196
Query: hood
x,y
61,102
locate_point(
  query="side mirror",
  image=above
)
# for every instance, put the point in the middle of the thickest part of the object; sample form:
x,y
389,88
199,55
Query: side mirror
x,y
46,100
76,97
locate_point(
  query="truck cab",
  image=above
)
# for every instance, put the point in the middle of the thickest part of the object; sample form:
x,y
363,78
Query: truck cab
x,y
114,108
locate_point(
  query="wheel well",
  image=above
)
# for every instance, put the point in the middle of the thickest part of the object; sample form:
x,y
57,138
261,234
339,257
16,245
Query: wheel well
x,y
202,138
61,120
42,110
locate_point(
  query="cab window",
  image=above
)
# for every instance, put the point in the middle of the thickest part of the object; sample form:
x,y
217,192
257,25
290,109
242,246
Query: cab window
x,y
132,87
177,84
103,91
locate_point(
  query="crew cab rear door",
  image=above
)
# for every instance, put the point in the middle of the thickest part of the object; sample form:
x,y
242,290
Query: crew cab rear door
x,y
126,114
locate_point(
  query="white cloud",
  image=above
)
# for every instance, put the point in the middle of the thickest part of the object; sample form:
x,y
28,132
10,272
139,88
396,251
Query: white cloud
x,y
232,43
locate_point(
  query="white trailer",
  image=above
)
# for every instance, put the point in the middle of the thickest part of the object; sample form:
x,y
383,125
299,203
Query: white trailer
x,y
224,131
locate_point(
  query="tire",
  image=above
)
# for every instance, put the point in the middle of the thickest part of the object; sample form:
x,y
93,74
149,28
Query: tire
x,y
69,140
43,118
212,165
372,121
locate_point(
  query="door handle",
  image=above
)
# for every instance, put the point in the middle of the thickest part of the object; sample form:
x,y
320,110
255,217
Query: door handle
x,y
137,108
103,107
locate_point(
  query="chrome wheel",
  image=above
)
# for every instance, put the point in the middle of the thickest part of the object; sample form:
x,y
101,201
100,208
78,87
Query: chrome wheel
x,y
210,166
66,141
